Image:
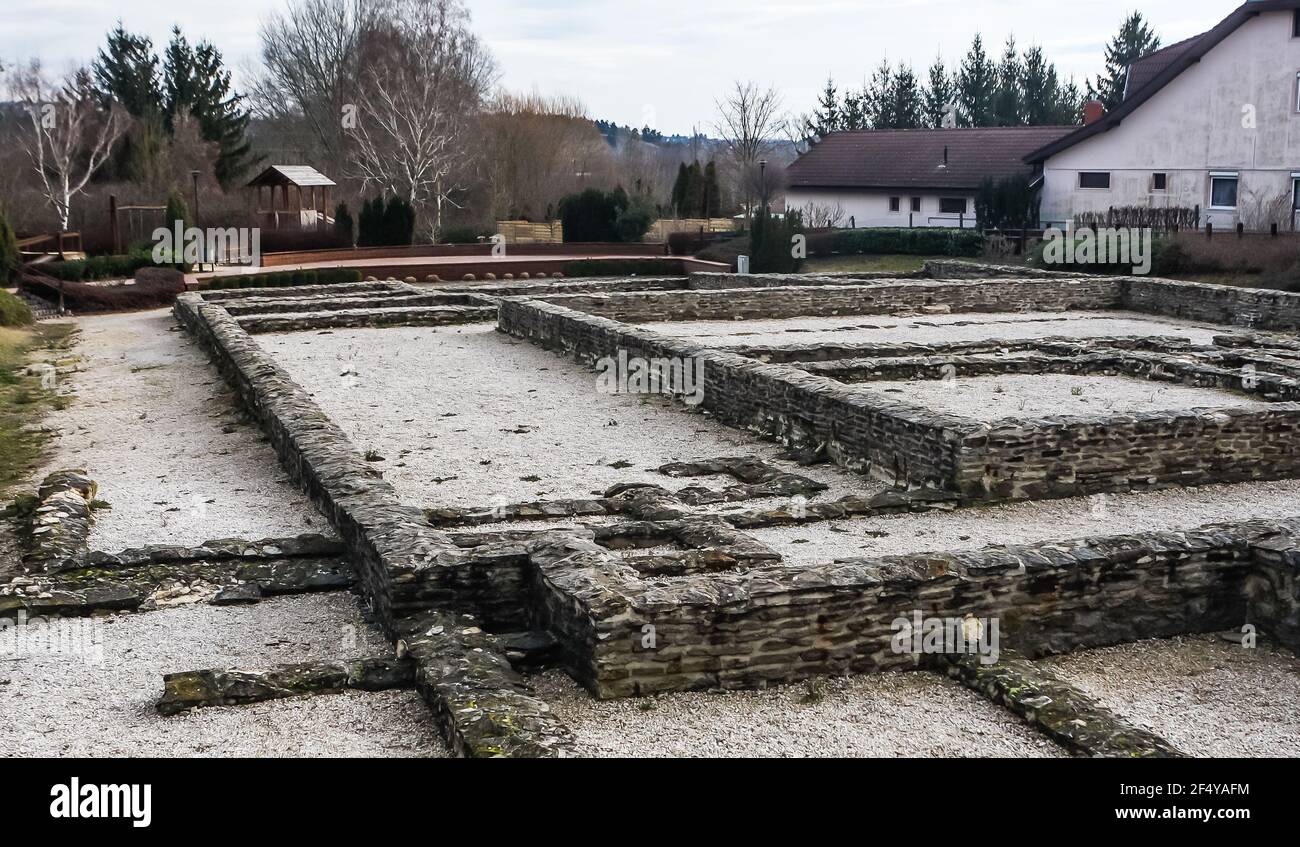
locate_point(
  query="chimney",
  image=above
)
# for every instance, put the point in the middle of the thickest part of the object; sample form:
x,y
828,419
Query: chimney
x,y
1093,111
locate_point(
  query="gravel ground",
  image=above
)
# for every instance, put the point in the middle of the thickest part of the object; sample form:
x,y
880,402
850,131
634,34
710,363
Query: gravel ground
x,y
1207,696
932,329
1029,522
155,426
883,715
466,416
992,398
70,705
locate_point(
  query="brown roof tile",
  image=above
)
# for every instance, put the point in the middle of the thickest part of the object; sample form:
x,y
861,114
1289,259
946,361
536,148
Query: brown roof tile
x,y
914,158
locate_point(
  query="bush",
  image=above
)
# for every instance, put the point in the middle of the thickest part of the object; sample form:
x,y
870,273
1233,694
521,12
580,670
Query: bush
x,y
466,234
726,252
8,253
13,312
1009,203
634,220
383,224
1284,280
772,241
592,216
343,225
99,267
918,241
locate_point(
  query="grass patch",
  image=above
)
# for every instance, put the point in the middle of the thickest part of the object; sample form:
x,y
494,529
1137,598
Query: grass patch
x,y
22,400
886,263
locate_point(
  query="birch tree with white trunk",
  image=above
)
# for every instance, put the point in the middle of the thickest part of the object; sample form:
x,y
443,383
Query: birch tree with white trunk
x,y
424,78
71,133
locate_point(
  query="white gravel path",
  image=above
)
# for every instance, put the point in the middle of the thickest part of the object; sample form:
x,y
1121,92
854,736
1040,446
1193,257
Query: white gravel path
x,y
932,329
992,398
1021,523
66,705
1207,696
466,416
882,715
153,423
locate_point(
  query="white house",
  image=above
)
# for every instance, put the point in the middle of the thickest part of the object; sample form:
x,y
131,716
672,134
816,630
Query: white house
x,y
908,177
1210,122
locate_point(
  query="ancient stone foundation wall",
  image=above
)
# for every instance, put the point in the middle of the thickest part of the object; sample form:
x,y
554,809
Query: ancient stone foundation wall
x,y
967,295
1229,305
625,636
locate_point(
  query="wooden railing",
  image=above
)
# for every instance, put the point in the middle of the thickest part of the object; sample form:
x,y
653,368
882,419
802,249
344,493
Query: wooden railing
x,y
60,242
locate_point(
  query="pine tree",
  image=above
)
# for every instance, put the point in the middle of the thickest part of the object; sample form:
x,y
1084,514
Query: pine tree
x,y
907,103
853,115
939,94
1040,88
976,86
126,70
195,81
1008,101
826,118
878,97
1133,41
679,190
712,191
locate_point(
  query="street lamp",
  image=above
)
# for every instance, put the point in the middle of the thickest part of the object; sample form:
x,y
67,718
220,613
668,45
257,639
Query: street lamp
x,y
194,177
762,170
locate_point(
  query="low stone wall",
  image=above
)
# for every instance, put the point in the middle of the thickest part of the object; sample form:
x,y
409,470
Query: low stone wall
x,y
890,440
915,296
626,636
1255,308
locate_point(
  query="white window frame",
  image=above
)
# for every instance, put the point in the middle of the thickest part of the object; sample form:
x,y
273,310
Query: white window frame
x,y
1078,182
1232,175
1155,190
895,204
1297,85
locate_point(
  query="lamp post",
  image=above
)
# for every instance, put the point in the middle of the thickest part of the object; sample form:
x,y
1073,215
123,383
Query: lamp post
x,y
762,170
194,177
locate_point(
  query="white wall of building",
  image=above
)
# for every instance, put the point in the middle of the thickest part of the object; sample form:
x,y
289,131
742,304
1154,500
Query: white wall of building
x,y
1198,124
870,208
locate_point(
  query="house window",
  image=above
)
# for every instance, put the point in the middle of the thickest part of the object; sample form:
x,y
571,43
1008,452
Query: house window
x,y
952,205
1159,182
1223,190
893,204
1094,179
916,204
1295,24
1297,92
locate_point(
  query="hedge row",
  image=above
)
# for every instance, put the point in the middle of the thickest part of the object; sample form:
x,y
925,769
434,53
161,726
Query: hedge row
x,y
622,267
930,241
285,279
99,267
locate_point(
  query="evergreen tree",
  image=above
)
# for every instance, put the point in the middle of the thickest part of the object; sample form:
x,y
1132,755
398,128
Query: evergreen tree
x,y
712,191
195,81
679,190
9,257
343,224
1133,41
1008,105
853,114
907,109
939,94
126,70
977,83
1040,88
826,118
878,97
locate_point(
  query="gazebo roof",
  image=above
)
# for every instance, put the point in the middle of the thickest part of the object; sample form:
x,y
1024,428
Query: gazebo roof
x,y
302,176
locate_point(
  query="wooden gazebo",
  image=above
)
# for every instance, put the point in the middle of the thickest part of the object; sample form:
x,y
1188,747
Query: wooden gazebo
x,y
306,208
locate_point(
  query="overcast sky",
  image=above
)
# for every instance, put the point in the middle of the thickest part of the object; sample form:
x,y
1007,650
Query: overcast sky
x,y
661,62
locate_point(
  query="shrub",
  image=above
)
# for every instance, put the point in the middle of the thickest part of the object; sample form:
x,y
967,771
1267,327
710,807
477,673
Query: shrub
x,y
726,252
592,215
772,240
1009,203
285,279
13,311
466,234
918,241
8,252
100,267
383,224
343,224
634,220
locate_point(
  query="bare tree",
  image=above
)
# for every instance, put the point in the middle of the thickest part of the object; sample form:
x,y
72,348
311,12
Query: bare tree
x,y
71,133
748,121
424,79
311,74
